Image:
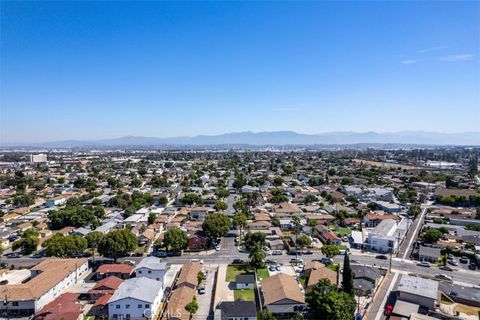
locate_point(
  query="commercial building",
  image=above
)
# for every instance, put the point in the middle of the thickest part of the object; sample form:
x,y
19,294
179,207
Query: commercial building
x,y
384,238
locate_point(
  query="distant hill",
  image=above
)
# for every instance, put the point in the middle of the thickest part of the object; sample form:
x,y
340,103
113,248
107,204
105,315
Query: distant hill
x,y
277,138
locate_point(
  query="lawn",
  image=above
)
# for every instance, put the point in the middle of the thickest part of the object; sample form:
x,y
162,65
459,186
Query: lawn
x,y
262,274
234,271
245,295
303,281
342,231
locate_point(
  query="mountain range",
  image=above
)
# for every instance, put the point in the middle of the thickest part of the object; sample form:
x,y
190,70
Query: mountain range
x,y
274,138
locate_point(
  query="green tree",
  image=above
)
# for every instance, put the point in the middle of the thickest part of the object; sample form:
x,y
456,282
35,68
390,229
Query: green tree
x,y
347,276
303,241
240,221
117,244
192,306
220,205
257,257
266,315
200,276
216,225
330,250
255,240
310,198
191,198
28,242
414,210
432,235
65,246
152,217
175,239
222,193
94,238
328,303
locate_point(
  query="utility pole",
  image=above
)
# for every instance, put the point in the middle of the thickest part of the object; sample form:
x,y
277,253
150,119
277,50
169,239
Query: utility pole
x,y
390,265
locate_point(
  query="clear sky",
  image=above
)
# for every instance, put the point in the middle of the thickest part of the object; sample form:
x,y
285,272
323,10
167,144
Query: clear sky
x,y
93,70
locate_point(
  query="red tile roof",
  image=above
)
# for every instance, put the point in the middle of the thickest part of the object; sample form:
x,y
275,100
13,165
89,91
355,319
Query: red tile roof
x,y
115,268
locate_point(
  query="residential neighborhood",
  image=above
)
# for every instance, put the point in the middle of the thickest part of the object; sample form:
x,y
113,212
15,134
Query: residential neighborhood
x,y
252,235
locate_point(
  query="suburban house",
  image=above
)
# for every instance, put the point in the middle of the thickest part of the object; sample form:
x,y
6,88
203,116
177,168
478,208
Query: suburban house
x,y
135,298
55,201
429,254
287,210
366,279
120,270
151,268
282,295
199,213
104,287
244,281
321,272
236,310
49,279
184,292
197,241
65,306
327,236
421,291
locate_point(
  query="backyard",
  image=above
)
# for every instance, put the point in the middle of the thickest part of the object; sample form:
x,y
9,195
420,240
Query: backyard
x,y
234,270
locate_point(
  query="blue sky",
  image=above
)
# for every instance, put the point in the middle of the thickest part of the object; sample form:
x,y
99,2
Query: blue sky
x,y
94,70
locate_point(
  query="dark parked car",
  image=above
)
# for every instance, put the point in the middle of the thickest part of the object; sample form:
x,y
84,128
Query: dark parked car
x,y
472,266
13,255
464,259
445,268
237,261
381,257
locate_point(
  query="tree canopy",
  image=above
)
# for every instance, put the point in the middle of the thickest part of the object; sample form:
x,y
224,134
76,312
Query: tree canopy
x,y
216,225
330,304
330,250
117,244
65,246
175,239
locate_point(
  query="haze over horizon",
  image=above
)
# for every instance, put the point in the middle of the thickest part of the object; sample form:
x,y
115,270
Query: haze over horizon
x,y
100,70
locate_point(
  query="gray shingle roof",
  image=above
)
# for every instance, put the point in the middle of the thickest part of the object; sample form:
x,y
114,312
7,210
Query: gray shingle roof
x,y
143,289
152,263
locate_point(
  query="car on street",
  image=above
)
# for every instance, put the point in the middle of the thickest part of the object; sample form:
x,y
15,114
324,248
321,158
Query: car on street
x,y
276,252
452,262
472,266
129,262
238,261
443,277
445,268
381,257
388,310
296,261
3,282
272,268
201,290
277,268
196,260
326,261
464,259
217,247
12,255
424,264
308,252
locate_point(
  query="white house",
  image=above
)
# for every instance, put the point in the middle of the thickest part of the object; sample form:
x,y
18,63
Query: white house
x,y
151,268
384,237
244,281
136,298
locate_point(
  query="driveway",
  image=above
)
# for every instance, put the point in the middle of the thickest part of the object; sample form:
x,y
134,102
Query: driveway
x,y
223,292
205,300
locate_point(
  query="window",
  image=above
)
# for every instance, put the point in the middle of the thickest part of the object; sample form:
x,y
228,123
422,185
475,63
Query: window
x,y
149,271
140,306
140,271
147,305
127,306
158,279
117,306
15,303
